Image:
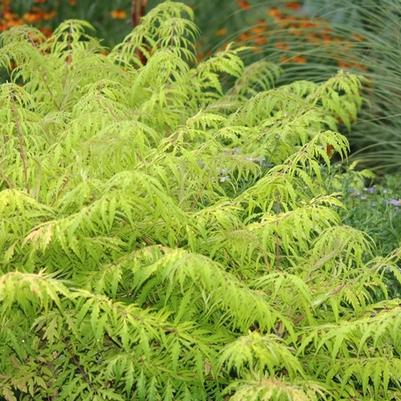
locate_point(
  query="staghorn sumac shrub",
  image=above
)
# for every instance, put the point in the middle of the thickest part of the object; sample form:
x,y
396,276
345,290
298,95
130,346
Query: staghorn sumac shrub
x,y
166,235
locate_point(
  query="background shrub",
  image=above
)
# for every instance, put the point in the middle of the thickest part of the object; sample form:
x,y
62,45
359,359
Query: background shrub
x,y
309,38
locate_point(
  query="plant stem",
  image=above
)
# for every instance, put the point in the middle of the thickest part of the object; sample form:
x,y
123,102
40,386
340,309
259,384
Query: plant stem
x,y
138,8
21,145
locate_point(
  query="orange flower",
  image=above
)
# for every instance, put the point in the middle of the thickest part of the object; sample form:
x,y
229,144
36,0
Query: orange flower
x,y
50,15
46,31
244,37
8,16
294,5
327,39
281,46
72,2
285,21
258,30
12,23
221,32
308,23
274,12
260,40
298,59
243,4
343,64
32,17
118,14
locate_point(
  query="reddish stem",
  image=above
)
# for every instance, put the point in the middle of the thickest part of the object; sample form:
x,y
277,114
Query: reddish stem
x,y
138,10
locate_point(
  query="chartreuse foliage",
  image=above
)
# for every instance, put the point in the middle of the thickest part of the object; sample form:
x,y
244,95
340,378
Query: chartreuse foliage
x,y
166,238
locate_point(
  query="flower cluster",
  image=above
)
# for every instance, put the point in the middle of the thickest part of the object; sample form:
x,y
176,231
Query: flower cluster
x,y
285,28
39,15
